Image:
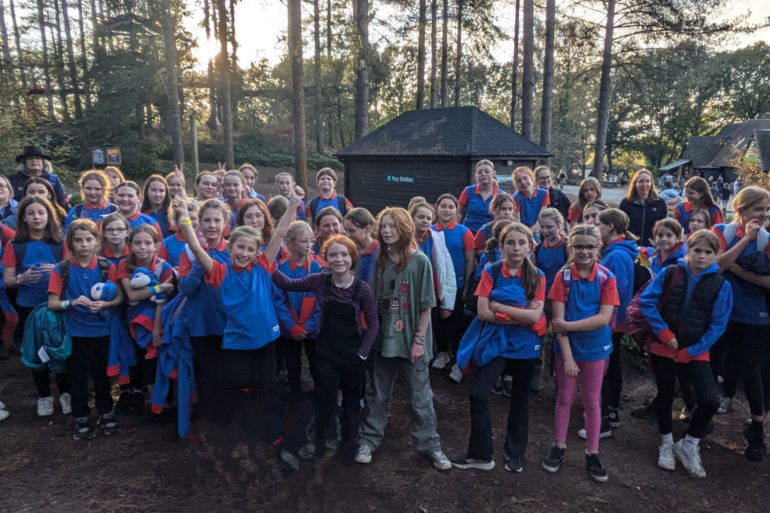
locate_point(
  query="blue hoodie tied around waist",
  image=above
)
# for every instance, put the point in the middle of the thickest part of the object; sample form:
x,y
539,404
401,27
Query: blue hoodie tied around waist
x,y
619,257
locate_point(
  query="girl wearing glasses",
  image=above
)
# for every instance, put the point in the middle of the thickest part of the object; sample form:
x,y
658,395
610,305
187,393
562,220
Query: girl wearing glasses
x,y
584,296
115,230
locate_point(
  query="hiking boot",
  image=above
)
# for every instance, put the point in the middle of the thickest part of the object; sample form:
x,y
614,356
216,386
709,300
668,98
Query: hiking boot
x,y
441,360
65,400
666,459
645,412
754,434
456,374
109,424
507,386
472,464
439,460
497,388
613,417
45,406
605,431
83,429
364,454
555,459
513,463
725,404
689,456
595,468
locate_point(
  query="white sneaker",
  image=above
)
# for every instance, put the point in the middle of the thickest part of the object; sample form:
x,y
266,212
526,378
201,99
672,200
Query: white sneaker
x,y
2,405
441,360
4,414
65,400
456,374
689,457
45,406
666,459
364,454
725,404
439,460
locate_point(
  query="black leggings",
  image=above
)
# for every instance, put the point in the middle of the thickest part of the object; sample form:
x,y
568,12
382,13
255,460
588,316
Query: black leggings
x,y
700,377
42,378
613,380
291,351
89,357
743,352
450,330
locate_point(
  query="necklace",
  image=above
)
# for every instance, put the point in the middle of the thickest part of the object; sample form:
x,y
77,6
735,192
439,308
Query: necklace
x,y
347,283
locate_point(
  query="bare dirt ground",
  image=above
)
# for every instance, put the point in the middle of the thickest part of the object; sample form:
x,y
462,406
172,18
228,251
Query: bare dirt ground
x,y
148,468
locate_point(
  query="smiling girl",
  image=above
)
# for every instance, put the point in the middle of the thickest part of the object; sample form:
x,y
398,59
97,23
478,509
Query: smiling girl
x,y
528,199
474,200
250,178
234,188
206,186
669,246
171,247
697,197
156,202
643,206
38,186
326,180
503,208
328,222
590,190
128,199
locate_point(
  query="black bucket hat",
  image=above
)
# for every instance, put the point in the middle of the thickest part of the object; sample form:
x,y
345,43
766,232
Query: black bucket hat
x,y
32,151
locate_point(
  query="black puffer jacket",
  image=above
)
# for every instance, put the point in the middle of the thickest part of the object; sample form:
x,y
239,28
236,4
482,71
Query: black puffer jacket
x,y
643,217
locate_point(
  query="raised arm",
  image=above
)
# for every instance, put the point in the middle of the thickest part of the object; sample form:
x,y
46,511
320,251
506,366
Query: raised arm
x,y
180,207
283,225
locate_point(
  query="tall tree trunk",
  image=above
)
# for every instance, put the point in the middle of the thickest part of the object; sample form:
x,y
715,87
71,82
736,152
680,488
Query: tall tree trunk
x,y
444,50
515,73
459,56
46,69
73,72
361,14
528,70
7,61
319,147
233,40
17,41
298,93
433,88
605,89
421,55
329,29
59,60
174,116
83,55
547,108
224,73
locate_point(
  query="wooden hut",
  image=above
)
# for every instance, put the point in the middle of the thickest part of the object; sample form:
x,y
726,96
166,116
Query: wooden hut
x,y
430,152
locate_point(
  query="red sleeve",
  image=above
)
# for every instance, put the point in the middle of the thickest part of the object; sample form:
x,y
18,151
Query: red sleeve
x,y
122,272
546,199
516,205
678,216
573,215
540,294
717,217
485,285
184,264
8,233
112,275
9,255
270,267
463,201
610,293
348,204
468,242
479,240
163,252
64,251
717,231
55,284
308,213
157,229
217,275
168,273
557,289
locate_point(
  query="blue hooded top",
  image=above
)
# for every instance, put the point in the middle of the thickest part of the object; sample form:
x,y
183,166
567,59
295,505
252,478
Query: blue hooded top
x,y
619,257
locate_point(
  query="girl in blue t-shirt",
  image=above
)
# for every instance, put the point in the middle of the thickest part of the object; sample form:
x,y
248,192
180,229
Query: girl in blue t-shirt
x,y
87,325
235,195
95,190
475,199
510,327
114,237
128,197
584,296
284,183
171,247
669,246
327,222
155,202
250,178
28,260
358,224
529,200
698,197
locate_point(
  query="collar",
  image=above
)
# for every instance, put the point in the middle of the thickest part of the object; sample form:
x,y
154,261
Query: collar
x,y
576,272
372,247
555,246
333,196
507,272
619,239
241,269
153,262
179,236
739,230
100,206
91,264
534,193
109,254
134,216
495,190
687,205
292,265
221,246
450,226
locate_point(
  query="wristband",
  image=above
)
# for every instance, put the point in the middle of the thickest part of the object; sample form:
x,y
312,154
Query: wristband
x,y
155,289
65,304
18,278
185,221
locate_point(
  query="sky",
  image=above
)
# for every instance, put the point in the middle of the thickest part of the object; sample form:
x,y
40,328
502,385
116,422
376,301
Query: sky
x,y
261,23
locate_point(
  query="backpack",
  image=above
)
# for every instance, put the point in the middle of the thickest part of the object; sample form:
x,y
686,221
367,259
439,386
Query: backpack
x,y
342,205
472,301
636,322
729,235
642,276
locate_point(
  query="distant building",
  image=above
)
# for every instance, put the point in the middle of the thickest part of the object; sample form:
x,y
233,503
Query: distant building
x,y
429,152
710,156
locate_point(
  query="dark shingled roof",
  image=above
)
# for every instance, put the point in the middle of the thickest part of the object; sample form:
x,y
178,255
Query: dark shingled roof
x,y
703,149
763,145
448,132
741,134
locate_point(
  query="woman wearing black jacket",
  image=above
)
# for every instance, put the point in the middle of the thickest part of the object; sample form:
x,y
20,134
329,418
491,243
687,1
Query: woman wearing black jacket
x,y
643,206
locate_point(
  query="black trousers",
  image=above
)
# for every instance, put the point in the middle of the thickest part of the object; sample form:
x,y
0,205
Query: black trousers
x,y
143,373
613,380
450,330
480,444
89,357
42,379
706,397
292,353
337,372
207,351
742,352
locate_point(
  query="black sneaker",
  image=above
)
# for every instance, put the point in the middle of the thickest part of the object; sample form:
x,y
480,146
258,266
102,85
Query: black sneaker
x,y
497,388
756,449
645,412
109,424
507,387
613,416
513,464
595,468
83,429
555,459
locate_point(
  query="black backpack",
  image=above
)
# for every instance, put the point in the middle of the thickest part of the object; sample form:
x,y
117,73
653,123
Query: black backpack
x,y
472,301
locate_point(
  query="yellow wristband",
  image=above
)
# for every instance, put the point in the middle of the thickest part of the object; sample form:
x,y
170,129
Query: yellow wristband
x,y
185,221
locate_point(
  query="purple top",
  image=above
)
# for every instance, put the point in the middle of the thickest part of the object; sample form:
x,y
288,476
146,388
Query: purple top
x,y
316,283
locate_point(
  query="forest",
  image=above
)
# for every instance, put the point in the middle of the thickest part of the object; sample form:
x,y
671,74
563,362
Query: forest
x,y
603,85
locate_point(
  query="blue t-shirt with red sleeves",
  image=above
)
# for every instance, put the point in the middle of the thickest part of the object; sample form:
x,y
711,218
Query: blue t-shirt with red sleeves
x,y
95,214
206,316
171,248
476,208
586,296
331,201
36,252
684,209
458,239
365,266
80,321
138,219
749,304
246,295
521,341
550,259
529,208
161,217
298,310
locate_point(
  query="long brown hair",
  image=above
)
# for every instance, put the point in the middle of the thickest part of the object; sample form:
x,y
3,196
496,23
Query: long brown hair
x,y
267,231
142,228
632,195
146,203
699,184
406,245
60,212
52,230
529,275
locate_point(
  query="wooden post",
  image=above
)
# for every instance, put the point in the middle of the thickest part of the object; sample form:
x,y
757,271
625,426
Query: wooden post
x,y
195,165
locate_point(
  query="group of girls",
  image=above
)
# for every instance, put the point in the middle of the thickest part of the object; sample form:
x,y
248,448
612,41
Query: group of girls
x,y
352,289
